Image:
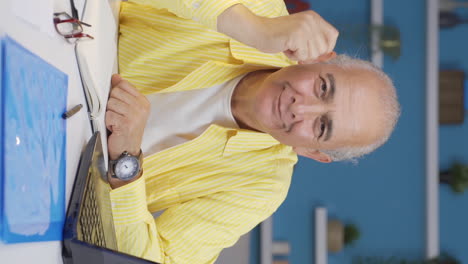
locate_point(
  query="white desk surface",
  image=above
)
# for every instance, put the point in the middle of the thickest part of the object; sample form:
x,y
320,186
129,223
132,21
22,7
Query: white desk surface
x,y
60,54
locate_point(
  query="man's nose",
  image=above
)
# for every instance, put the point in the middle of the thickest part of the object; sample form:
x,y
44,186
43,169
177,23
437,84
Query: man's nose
x,y
306,109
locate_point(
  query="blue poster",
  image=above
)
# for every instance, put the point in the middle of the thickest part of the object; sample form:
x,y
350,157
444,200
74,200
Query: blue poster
x,y
33,142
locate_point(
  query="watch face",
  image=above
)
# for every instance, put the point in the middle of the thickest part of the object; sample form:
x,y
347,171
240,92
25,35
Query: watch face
x,y
127,168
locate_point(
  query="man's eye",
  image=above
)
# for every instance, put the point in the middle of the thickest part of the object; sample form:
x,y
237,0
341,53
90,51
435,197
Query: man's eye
x,y
322,128
323,88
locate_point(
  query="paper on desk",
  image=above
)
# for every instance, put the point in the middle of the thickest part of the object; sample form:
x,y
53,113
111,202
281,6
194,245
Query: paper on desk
x,y
97,61
38,13
33,149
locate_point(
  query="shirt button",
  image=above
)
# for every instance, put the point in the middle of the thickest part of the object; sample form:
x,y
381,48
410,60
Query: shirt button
x,y
196,4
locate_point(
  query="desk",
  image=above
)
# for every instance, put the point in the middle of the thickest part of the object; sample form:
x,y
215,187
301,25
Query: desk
x,y
56,51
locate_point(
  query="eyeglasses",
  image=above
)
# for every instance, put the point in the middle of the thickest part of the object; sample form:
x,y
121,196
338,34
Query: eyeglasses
x,y
70,28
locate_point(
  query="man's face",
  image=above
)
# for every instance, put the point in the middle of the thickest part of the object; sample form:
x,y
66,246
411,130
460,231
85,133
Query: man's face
x,y
320,106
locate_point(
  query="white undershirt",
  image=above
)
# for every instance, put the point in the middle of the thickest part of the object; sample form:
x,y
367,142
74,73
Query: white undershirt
x,y
182,116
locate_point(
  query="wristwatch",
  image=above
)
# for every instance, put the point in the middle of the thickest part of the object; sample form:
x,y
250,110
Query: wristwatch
x,y
126,167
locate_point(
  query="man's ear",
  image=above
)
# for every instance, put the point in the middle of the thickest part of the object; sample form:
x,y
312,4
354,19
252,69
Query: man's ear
x,y
312,154
322,58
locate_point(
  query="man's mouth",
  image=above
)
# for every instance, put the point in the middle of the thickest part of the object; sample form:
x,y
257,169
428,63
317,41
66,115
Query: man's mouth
x,y
280,115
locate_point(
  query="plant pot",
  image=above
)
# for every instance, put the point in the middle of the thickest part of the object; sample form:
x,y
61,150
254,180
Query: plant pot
x,y
335,236
445,177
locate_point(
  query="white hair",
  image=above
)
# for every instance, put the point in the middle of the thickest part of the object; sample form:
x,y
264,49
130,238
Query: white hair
x,y
388,99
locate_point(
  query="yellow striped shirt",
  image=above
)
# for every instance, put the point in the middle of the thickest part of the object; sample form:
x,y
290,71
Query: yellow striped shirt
x,y
224,182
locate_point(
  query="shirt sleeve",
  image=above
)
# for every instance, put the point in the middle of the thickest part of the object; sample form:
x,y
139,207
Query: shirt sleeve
x,y
206,12
136,232
191,232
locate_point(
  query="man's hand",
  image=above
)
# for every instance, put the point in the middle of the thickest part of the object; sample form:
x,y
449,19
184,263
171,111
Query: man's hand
x,y
126,116
303,36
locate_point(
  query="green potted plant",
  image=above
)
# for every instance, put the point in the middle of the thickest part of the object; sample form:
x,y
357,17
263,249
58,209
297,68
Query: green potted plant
x,y
456,177
351,234
339,235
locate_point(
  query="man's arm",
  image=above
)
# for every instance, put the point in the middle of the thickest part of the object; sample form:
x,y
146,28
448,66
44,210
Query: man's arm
x,y
195,231
198,230
304,36
126,116
205,12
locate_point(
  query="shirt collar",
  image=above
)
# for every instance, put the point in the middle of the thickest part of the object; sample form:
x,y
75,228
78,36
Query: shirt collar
x,y
243,140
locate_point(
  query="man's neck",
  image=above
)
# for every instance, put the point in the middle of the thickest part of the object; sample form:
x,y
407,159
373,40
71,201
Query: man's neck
x,y
242,101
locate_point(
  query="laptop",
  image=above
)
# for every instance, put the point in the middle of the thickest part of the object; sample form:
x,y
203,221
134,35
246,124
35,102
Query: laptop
x,y
88,234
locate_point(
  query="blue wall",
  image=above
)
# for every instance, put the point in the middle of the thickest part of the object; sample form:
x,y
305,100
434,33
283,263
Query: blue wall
x,y
384,194
453,146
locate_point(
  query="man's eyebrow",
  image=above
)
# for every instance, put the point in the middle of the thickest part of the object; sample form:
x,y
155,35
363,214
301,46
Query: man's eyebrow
x,y
331,80
329,129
